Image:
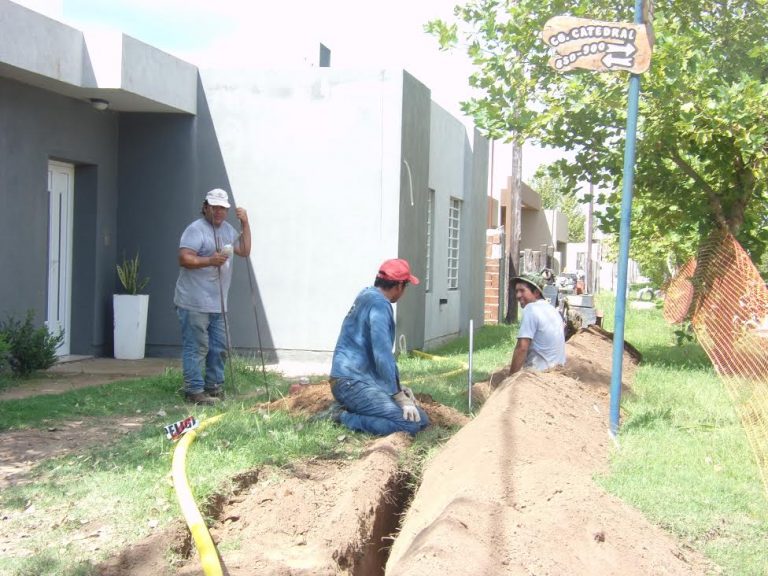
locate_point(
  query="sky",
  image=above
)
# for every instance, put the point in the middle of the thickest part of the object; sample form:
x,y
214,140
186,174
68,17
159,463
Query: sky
x,y
270,34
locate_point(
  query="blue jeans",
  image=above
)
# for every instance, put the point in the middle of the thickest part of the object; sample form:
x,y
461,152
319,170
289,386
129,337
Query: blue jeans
x,y
368,408
203,343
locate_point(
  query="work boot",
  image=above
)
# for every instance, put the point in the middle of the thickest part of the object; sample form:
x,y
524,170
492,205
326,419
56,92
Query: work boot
x,y
198,398
217,392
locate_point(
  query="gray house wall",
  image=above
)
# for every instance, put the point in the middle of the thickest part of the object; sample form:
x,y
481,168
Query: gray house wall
x,y
414,175
473,273
456,172
139,180
37,126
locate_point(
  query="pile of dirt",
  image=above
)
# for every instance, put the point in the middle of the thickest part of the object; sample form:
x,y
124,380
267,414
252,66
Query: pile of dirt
x,y
312,398
513,493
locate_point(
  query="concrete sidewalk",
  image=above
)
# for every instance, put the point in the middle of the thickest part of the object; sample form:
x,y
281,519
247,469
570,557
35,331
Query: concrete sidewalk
x,y
155,366
112,367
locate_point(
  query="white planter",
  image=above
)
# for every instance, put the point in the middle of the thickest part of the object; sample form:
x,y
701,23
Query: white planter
x,y
130,323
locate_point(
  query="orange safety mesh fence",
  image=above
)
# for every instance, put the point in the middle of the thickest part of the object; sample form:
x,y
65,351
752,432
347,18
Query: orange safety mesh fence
x,y
726,300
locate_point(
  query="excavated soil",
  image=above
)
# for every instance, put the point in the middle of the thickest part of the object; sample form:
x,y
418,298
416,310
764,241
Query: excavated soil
x,y
512,492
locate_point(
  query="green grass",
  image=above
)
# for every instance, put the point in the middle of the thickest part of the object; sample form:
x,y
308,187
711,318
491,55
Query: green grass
x,y
130,478
684,459
491,349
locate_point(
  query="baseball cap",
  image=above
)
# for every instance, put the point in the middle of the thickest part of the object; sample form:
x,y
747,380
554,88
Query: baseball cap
x,y
534,280
397,270
217,197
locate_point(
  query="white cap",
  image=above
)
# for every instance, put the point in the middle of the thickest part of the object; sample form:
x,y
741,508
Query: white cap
x,y
217,197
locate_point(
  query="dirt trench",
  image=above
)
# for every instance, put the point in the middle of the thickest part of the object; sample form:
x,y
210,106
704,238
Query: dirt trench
x,y
317,517
510,493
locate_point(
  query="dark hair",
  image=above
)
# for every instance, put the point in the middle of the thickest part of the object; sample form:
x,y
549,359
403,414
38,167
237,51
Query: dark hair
x,y
387,284
531,286
205,205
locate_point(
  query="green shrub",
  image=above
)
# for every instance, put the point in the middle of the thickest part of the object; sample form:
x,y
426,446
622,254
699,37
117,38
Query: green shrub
x,y
5,356
30,348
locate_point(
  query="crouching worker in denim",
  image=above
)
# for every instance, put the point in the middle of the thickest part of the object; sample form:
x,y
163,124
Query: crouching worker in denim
x,y
364,376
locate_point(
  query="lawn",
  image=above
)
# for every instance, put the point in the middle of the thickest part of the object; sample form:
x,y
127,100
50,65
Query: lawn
x,y
684,459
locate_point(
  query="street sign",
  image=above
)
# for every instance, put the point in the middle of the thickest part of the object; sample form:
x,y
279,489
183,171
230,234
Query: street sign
x,y
596,45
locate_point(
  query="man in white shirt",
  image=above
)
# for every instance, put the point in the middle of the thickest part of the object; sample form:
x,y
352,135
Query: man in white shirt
x,y
541,336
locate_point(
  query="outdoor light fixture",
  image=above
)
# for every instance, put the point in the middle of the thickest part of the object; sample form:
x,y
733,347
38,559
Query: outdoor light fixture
x,y
99,103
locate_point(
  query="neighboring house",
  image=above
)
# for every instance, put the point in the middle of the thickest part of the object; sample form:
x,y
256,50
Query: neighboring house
x,y
339,170
604,273
543,242
541,230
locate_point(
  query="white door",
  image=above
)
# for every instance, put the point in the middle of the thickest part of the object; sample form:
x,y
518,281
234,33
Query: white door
x,y
61,181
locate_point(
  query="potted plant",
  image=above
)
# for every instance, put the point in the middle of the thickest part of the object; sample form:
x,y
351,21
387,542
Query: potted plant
x,y
130,311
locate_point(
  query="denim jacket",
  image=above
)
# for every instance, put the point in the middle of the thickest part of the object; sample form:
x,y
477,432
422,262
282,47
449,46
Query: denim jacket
x,y
364,348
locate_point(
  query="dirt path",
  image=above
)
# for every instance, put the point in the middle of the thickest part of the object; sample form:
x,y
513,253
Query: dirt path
x,y
20,450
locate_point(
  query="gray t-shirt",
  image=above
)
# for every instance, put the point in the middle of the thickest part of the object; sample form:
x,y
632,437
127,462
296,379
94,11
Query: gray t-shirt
x,y
198,289
543,325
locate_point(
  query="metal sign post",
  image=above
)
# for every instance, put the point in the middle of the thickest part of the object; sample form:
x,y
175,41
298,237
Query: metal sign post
x,y
626,213
610,47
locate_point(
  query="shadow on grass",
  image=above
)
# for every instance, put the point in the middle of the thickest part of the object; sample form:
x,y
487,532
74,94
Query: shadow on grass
x,y
689,355
49,562
135,396
648,418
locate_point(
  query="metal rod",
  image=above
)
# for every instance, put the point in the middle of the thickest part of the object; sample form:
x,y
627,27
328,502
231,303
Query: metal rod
x,y
588,275
233,383
226,331
469,363
251,280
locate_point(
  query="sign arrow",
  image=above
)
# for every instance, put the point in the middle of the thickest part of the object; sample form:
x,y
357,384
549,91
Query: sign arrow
x,y
626,49
612,61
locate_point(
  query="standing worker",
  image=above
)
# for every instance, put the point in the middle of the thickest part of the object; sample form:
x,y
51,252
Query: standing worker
x,y
364,376
541,337
201,294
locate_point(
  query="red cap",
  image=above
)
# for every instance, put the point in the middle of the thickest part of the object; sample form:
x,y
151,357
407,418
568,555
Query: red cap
x,y
397,270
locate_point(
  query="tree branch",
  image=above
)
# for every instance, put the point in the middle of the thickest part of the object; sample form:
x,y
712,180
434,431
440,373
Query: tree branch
x,y
714,200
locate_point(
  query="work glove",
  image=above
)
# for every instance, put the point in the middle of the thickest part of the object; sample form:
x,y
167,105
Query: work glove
x,y
406,400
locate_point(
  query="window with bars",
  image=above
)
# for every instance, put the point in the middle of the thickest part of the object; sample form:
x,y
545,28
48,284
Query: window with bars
x,y
430,231
454,225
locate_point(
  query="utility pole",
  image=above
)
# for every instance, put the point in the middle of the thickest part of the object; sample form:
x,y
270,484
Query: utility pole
x,y
513,257
588,279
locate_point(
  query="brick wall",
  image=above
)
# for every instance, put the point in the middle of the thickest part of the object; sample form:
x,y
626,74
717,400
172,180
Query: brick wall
x,y
493,258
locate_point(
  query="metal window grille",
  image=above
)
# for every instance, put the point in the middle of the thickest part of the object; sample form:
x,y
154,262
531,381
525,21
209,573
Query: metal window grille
x,y
454,226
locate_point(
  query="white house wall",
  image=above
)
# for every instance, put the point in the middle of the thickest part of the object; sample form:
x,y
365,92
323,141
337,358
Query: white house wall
x,y
314,155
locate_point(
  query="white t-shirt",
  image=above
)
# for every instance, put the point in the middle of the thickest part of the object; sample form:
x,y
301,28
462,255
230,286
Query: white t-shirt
x,y
198,288
543,325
